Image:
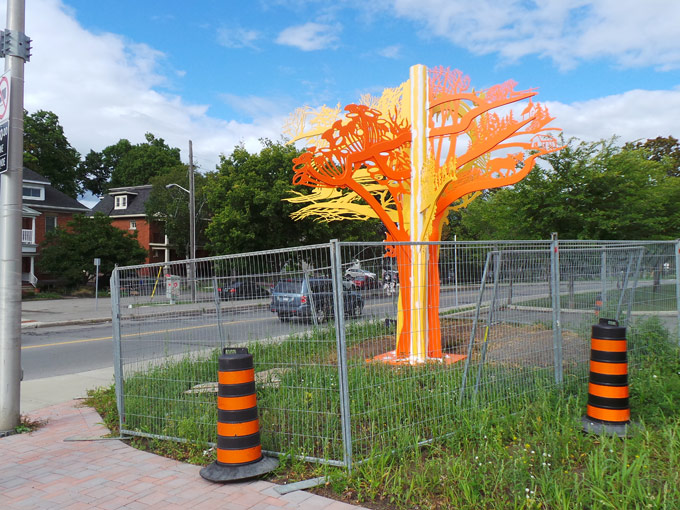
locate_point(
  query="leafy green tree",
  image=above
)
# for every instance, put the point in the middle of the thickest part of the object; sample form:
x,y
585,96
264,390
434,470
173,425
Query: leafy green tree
x,y
662,149
134,165
48,152
170,206
95,173
125,164
247,199
592,190
68,253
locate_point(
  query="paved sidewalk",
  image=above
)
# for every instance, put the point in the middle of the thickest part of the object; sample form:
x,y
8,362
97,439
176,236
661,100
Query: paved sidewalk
x,y
37,313
43,470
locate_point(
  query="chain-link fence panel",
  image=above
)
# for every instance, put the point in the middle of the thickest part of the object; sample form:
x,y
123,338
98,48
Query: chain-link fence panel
x,y
172,327
365,347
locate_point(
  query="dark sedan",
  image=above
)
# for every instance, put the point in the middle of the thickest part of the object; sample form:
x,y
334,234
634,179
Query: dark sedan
x,y
243,289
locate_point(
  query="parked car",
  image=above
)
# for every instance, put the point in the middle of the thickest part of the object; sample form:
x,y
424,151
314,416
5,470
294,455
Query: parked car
x,y
355,272
243,288
364,281
294,298
361,278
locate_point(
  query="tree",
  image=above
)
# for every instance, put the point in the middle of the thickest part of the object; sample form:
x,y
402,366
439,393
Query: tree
x,y
48,152
134,165
171,207
95,173
591,190
662,149
125,164
68,253
247,198
408,157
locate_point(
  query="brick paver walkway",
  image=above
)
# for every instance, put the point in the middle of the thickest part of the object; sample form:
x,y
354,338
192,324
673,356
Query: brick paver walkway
x,y
42,471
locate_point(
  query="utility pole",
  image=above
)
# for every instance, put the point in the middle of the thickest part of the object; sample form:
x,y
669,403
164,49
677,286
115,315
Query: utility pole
x,y
192,222
15,48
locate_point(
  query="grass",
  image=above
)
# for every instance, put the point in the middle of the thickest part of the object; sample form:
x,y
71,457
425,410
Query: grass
x,y
525,452
647,298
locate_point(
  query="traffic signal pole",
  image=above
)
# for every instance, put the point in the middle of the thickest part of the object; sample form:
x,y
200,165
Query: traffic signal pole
x,y
15,49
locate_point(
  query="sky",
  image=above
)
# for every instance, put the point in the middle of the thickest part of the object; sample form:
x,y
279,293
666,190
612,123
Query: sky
x,y
225,72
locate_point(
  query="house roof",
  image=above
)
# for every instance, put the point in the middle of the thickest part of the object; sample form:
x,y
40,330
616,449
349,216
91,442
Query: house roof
x,y
137,197
54,199
32,175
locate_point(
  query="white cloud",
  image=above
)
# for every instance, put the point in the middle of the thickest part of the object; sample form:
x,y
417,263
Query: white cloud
x,y
634,115
310,36
630,32
259,107
102,88
393,51
237,37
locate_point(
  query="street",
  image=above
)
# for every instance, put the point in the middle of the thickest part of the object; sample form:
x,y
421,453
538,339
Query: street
x,y
54,351
48,352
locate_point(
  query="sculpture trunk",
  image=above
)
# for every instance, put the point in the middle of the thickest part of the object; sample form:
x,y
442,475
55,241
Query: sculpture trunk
x,y
418,326
418,332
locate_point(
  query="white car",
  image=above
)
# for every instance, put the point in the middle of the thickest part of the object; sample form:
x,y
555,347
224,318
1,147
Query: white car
x,y
355,272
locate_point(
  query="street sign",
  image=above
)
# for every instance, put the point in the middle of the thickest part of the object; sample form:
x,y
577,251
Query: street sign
x,y
4,120
97,262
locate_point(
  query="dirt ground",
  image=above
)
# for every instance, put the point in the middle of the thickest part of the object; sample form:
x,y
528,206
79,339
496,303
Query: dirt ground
x,y
525,345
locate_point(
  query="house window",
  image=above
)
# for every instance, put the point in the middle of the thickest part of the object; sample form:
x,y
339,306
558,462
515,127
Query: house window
x,y
133,224
50,223
34,193
121,202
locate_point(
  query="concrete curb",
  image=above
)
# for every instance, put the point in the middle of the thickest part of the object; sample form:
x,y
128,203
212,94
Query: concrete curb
x,y
38,324
161,313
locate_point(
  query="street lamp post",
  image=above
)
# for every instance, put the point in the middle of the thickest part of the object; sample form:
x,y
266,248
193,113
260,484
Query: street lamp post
x,y
192,227
192,218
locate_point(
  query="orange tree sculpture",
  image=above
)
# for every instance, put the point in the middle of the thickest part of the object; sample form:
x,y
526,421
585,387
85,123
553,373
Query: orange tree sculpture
x,y
407,158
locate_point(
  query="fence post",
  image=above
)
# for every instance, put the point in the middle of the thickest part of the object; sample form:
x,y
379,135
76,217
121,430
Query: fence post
x,y
473,332
343,386
603,277
631,294
117,348
489,318
218,312
556,307
677,283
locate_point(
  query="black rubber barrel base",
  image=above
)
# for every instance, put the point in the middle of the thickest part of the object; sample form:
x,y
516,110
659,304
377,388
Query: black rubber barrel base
x,y
622,430
220,473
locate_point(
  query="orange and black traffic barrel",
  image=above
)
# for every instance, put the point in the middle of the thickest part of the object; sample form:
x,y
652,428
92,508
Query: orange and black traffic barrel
x,y
239,453
608,399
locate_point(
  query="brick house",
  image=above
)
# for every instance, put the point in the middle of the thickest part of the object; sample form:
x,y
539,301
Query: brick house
x,y
43,209
125,207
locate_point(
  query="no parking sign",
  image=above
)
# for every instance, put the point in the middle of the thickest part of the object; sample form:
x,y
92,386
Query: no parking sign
x,y
4,119
171,286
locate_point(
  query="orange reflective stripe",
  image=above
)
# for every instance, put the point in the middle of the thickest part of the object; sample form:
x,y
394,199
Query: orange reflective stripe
x,y
615,415
608,345
609,368
238,429
236,377
239,456
608,391
236,403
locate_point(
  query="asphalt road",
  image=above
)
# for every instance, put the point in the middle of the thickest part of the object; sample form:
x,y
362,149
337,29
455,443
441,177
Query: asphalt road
x,y
48,352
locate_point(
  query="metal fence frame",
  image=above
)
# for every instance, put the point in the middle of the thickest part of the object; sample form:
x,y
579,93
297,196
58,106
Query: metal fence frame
x,y
531,259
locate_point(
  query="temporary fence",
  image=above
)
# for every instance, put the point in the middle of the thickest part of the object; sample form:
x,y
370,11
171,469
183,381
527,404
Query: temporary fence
x,y
512,319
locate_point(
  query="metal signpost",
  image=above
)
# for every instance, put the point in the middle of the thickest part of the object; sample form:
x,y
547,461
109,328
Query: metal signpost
x,y
97,263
